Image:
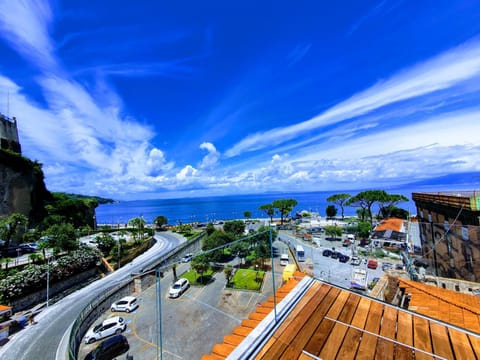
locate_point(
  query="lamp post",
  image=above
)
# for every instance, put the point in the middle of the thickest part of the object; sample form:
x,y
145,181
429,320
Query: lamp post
x,y
48,279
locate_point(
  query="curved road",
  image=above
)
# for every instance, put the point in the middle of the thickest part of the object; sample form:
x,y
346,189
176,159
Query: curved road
x,y
40,341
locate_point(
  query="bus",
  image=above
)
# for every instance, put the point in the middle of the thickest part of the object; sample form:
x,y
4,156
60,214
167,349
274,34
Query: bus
x,y
300,253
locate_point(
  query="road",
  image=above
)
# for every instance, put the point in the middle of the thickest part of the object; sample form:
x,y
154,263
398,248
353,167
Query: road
x,y
40,341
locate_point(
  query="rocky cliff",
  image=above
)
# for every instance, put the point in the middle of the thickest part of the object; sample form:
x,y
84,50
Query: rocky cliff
x,y
22,187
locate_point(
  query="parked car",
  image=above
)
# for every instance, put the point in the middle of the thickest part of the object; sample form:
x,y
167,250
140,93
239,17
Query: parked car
x,y
284,259
343,258
109,349
110,326
356,261
335,254
27,248
372,264
420,263
178,288
387,266
127,304
187,258
327,252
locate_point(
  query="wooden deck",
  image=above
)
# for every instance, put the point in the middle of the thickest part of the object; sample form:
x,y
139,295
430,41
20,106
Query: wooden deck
x,y
332,323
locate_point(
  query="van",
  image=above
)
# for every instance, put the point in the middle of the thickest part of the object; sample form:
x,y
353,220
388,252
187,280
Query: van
x,y
288,272
284,259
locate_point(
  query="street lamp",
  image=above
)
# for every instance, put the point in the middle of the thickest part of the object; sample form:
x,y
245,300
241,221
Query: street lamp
x,y
48,279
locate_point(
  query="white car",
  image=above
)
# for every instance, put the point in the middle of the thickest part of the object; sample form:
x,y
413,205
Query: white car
x,y
111,326
178,288
284,259
127,304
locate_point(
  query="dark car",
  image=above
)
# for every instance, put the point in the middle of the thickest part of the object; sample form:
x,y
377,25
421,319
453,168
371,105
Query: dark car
x,y
327,252
420,263
109,349
343,258
27,248
335,254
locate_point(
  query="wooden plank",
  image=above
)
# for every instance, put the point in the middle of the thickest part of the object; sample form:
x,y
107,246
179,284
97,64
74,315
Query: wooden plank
x,y
331,344
317,340
366,349
310,326
475,341
290,327
388,329
461,345
440,340
351,341
404,336
421,338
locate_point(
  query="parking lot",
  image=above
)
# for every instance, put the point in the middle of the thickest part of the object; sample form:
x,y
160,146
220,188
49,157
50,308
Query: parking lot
x,y
192,323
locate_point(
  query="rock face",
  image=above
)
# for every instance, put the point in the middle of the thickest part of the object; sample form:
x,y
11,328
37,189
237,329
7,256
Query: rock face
x,y
22,187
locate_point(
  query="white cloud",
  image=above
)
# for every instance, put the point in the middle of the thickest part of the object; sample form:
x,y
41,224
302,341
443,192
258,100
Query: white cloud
x,y
186,173
211,159
445,71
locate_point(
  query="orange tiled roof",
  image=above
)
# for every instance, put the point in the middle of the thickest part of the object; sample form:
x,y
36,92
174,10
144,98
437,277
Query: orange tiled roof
x,y
393,224
333,323
447,305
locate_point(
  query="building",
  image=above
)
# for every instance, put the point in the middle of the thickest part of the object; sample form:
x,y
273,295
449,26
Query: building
x,y
9,134
450,232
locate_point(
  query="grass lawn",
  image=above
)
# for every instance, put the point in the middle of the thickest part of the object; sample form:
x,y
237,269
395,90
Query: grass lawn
x,y
248,279
195,278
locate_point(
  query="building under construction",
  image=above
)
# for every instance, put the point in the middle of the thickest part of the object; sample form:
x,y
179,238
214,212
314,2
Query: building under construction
x,y
450,232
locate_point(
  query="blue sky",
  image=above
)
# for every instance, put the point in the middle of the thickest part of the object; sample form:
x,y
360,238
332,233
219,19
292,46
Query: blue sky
x,y
155,99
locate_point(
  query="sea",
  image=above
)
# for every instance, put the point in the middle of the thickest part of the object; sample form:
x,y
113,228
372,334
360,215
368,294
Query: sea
x,y
210,209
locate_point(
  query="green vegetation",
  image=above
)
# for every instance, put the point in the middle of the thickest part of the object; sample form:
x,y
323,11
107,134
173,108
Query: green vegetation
x,y
340,200
196,278
33,277
247,279
331,211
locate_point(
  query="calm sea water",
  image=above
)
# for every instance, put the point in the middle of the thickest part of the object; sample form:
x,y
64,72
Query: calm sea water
x,y
207,209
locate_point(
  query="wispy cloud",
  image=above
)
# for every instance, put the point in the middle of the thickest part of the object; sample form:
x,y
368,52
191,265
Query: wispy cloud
x,y
298,53
25,25
446,71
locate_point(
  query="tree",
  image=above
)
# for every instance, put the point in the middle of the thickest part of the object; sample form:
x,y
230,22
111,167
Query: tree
x,y
333,231
160,221
340,200
138,223
331,211
200,264
105,243
366,199
241,249
209,228
247,214
364,229
284,207
386,204
10,227
62,237
235,227
214,240
269,210
228,271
